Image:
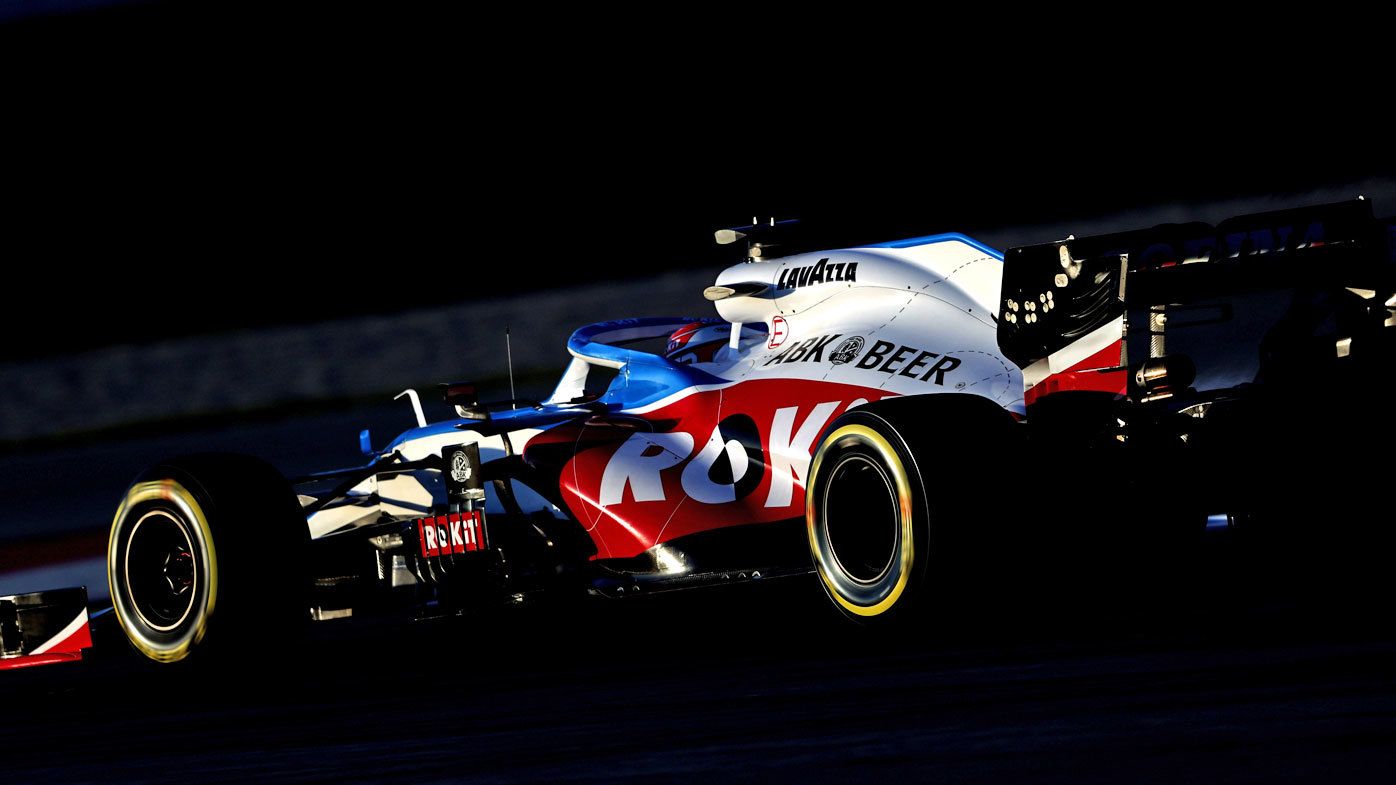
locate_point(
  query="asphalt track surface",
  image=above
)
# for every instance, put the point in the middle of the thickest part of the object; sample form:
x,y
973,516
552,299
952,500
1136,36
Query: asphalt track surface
x,y
747,686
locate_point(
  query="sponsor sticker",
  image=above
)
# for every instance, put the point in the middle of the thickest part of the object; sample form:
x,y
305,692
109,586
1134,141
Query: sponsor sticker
x,y
460,467
884,356
820,272
779,331
459,532
846,351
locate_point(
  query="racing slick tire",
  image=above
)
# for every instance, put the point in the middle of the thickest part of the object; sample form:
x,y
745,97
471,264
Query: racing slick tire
x,y
204,556
892,488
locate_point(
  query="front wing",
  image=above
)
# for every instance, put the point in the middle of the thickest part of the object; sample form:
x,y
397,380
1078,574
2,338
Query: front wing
x,y
45,627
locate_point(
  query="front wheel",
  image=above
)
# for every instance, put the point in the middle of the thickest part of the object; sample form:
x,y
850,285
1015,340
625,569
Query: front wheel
x,y
207,553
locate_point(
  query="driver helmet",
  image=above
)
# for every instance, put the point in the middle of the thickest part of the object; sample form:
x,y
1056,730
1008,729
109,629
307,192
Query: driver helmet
x,y
700,342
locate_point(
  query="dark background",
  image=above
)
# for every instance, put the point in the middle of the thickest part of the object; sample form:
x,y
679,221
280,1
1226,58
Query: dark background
x,y
178,168
170,169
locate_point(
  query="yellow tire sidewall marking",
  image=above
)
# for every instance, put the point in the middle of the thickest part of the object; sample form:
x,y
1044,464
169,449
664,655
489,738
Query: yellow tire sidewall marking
x,y
907,524
172,493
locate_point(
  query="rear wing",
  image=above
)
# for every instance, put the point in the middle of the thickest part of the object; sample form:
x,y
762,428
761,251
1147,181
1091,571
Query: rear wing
x,y
1054,294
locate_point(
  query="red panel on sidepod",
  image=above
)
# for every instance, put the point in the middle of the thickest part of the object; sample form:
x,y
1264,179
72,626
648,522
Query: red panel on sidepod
x,y
633,482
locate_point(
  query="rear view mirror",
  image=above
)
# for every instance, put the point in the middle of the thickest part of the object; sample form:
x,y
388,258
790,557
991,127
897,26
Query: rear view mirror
x,y
463,397
460,394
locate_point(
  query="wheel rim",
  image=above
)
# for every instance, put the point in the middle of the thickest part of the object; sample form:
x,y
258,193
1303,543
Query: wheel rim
x,y
161,570
860,513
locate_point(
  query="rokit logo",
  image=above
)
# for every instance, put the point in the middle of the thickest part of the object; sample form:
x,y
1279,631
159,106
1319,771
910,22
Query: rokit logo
x,y
729,466
822,271
459,532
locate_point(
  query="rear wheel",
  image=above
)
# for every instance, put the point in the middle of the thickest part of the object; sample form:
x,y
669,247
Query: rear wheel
x,y
207,553
890,496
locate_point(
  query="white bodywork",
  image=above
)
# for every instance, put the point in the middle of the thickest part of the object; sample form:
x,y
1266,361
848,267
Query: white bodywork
x,y
412,494
940,296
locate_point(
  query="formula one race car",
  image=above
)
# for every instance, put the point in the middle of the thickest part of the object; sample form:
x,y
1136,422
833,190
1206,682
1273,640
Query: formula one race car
x,y
900,419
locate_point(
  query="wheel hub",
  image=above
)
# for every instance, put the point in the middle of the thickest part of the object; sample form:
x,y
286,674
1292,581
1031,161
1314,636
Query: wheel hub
x,y
161,572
